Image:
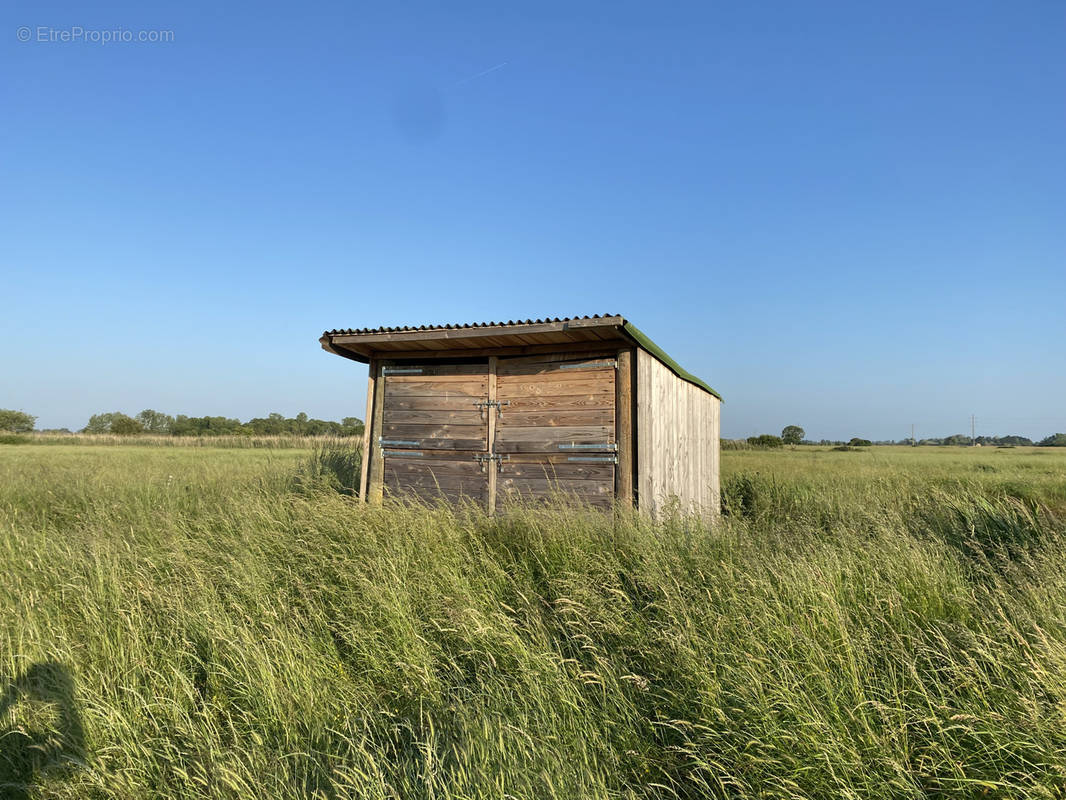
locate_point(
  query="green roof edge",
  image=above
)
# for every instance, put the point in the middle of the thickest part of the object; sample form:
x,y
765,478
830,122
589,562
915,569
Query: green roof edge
x,y
642,339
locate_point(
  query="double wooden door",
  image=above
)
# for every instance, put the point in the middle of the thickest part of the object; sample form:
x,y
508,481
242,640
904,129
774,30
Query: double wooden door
x,y
500,430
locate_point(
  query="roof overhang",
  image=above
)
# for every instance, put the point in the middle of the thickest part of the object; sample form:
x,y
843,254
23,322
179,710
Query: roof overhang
x,y
487,338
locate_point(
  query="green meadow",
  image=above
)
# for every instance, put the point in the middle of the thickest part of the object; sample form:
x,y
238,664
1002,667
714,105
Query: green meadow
x,y
200,622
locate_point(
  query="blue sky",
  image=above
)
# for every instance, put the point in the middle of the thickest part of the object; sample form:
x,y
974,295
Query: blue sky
x,y
846,216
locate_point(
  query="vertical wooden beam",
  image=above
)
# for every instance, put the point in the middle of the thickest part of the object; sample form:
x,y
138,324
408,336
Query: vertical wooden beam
x,y
623,428
493,413
376,481
367,440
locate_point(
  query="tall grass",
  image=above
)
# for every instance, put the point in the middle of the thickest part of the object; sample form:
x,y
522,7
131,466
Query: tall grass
x,y
198,624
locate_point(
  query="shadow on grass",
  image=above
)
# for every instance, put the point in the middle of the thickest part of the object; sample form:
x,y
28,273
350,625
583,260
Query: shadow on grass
x,y
44,736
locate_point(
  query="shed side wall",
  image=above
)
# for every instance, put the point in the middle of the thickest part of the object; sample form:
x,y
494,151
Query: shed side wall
x,y
678,453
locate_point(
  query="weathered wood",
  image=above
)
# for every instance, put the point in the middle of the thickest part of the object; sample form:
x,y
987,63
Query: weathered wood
x,y
427,466
589,348
444,372
557,365
433,402
557,471
603,400
443,445
412,430
432,496
557,417
562,434
529,428
556,356
557,377
433,388
443,381
552,498
376,478
563,485
677,441
623,427
522,390
491,443
367,440
403,480
433,416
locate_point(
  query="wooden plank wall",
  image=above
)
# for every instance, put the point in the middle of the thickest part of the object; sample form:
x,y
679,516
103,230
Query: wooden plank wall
x,y
678,452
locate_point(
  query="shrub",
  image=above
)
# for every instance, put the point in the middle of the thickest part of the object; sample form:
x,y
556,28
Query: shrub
x,y
765,440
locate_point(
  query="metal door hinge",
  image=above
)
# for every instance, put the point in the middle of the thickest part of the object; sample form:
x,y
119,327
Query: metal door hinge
x,y
401,370
591,459
603,446
590,365
396,442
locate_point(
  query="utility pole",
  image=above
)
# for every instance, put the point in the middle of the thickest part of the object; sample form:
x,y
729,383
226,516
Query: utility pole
x,y
973,426
914,442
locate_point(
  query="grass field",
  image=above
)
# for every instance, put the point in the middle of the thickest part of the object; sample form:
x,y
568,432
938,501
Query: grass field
x,y
221,623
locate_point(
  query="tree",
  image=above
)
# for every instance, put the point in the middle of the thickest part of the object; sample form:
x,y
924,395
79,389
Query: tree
x,y
113,422
352,426
857,442
16,421
1054,440
792,434
125,425
100,423
155,421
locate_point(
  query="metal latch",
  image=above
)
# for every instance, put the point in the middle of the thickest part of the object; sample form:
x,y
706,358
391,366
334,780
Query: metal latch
x,y
481,405
485,458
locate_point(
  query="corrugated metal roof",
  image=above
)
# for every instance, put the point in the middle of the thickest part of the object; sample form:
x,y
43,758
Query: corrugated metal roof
x,y
612,321
457,326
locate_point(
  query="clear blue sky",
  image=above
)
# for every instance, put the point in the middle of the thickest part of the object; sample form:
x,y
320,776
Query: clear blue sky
x,y
846,216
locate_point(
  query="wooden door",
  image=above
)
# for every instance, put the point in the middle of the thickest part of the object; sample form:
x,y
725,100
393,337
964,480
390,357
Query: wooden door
x,y
555,430
435,432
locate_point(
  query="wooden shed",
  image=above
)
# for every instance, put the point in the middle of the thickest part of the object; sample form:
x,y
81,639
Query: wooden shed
x,y
496,411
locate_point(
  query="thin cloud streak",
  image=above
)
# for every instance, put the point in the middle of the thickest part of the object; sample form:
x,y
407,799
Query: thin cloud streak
x,y
481,74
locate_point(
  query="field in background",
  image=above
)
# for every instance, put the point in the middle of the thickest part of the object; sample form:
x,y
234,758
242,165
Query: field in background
x,y
220,623
150,440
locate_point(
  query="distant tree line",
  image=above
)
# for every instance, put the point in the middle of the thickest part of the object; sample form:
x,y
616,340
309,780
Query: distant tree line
x,y
151,421
156,422
794,434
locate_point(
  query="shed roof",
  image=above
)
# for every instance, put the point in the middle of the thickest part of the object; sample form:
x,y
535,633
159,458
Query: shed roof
x,y
360,344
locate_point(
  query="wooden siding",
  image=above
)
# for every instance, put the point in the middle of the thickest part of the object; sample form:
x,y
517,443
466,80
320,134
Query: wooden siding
x,y
588,477
435,475
435,407
677,441
563,444
576,411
